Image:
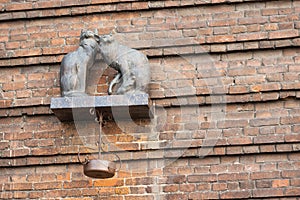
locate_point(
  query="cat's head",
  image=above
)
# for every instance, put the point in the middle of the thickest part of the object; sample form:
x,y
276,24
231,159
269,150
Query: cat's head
x,y
106,39
86,34
89,39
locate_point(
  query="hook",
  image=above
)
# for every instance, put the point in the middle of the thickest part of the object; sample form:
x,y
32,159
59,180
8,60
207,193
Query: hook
x,y
92,111
120,161
86,159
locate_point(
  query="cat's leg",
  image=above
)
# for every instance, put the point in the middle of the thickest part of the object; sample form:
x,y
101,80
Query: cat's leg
x,y
128,77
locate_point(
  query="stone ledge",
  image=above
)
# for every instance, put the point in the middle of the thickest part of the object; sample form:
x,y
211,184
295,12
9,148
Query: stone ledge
x,y
7,109
117,107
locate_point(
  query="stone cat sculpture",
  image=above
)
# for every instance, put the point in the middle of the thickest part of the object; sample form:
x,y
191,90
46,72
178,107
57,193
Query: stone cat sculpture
x,y
74,66
132,66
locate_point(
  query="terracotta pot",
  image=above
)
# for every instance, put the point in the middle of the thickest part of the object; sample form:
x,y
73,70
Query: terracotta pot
x,y
99,169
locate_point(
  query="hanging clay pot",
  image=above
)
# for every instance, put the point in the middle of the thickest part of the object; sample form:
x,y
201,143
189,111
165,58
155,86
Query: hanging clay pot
x,y
99,169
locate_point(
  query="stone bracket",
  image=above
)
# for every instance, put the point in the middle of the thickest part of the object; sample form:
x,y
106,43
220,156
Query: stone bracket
x,y
115,107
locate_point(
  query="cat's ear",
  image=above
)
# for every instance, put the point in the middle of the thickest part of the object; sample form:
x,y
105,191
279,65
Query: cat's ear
x,y
113,31
83,32
97,37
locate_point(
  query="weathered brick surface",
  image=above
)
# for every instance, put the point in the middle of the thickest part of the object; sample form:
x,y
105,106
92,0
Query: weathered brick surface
x,y
255,181
224,79
205,25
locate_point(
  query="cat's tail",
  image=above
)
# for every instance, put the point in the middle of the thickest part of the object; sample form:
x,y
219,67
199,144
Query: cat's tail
x,y
113,82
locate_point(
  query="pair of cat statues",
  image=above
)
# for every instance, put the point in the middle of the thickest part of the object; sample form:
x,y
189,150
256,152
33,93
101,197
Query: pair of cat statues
x,y
132,66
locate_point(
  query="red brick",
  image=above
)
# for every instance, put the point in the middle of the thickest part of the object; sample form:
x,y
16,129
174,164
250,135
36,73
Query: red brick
x,y
268,193
266,87
291,173
5,103
271,27
28,52
203,195
54,193
47,185
18,136
23,93
76,184
6,195
280,183
90,192
19,6
187,187
20,37
223,22
176,179
290,120
287,25
242,72
4,145
238,29
238,89
47,4
220,39
232,123
290,85
233,176
252,36
271,158
108,183
45,151
17,186
172,3
252,20
263,183
12,45
235,194
270,11
268,139
284,147
219,186
292,138
35,194
265,175
171,188
20,195
240,141
16,153
201,178
292,191
295,182
13,86
269,96
283,34
264,121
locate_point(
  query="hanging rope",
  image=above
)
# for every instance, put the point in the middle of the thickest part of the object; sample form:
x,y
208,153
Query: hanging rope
x,y
101,122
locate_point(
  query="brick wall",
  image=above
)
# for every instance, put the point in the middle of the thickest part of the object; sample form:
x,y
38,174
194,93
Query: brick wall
x,y
224,79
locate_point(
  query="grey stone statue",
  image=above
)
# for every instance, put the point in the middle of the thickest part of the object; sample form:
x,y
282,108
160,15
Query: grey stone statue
x,y
132,66
75,65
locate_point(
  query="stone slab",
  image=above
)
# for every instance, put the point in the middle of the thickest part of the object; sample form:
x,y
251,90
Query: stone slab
x,y
116,107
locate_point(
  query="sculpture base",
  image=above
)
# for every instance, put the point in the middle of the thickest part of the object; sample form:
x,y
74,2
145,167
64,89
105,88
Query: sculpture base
x,y
116,107
99,169
74,94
